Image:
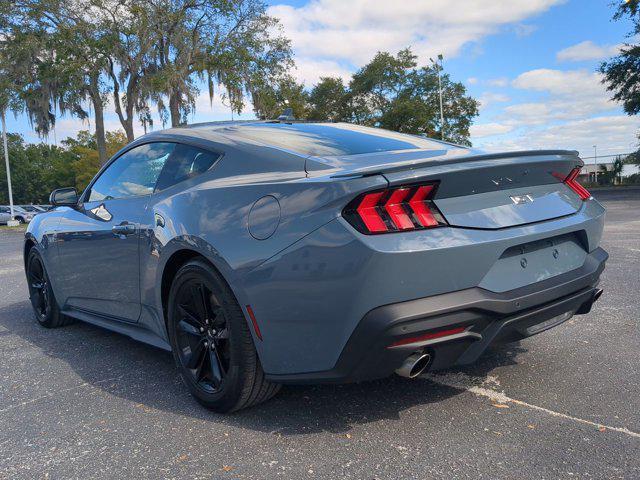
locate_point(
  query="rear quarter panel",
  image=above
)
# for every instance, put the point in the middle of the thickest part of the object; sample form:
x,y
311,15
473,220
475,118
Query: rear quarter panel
x,y
210,215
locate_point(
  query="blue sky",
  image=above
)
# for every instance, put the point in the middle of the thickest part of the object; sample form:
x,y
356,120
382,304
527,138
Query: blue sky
x,y
532,63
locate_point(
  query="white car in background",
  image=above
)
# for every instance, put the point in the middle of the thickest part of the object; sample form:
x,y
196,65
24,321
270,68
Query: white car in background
x,y
35,209
5,214
19,213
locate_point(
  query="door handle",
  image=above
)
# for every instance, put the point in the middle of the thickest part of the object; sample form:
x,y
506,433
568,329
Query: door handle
x,y
124,229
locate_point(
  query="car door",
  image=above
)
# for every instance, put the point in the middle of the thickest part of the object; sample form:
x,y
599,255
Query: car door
x,y
98,268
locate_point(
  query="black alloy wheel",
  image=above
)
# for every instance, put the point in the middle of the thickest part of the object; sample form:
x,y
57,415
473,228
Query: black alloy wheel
x,y
43,301
211,341
202,335
38,288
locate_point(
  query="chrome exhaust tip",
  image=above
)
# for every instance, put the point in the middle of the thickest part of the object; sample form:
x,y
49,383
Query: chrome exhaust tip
x,y
414,365
597,294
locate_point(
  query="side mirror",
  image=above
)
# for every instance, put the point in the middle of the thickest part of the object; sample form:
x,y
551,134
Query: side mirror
x,y
64,197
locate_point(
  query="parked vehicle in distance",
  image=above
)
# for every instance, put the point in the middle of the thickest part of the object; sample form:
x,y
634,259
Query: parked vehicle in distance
x,y
5,214
20,214
271,252
35,209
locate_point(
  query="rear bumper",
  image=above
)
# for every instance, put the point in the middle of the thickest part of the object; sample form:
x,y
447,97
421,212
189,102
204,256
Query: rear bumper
x,y
487,317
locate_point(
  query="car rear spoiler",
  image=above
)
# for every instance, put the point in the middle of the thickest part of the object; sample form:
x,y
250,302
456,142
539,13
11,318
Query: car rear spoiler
x,y
413,160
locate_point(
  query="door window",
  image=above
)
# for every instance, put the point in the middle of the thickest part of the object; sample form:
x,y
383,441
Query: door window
x,y
186,162
133,174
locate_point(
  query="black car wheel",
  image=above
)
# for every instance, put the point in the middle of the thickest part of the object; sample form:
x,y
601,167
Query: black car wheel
x,y
211,341
44,304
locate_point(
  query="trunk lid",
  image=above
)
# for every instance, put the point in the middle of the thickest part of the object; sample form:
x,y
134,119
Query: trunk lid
x,y
478,190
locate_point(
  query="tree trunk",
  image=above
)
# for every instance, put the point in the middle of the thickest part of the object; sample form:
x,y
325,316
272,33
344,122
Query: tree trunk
x,y
100,134
174,108
128,129
98,111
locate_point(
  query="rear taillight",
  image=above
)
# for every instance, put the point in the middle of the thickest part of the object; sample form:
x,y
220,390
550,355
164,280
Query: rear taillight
x,y
395,209
573,184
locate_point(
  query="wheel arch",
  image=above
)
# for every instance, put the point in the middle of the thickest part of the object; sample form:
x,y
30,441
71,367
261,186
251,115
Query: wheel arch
x,y
29,243
180,257
171,267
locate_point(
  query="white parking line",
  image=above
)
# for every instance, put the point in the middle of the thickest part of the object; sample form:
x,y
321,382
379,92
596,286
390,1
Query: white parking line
x,y
480,386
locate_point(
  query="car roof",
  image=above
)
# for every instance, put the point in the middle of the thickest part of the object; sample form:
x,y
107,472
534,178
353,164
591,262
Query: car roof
x,y
305,138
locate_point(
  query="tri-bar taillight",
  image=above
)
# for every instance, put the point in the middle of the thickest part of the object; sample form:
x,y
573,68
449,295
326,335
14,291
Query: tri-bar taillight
x,y
573,184
395,209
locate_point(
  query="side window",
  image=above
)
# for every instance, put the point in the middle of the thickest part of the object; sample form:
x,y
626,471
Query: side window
x,y
186,162
132,174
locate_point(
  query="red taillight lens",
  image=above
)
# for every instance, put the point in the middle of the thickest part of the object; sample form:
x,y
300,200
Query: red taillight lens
x,y
573,184
395,209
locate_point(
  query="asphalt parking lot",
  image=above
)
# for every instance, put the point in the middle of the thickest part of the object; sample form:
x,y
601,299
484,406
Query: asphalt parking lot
x,y
81,402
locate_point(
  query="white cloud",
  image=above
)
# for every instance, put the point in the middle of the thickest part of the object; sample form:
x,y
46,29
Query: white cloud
x,y
489,129
574,112
472,80
309,71
353,31
524,29
498,82
560,82
571,82
570,95
487,98
587,50
613,134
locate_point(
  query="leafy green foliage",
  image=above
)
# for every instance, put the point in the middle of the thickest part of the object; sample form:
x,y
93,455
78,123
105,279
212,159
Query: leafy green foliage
x,y
622,72
389,92
622,77
270,100
37,169
328,100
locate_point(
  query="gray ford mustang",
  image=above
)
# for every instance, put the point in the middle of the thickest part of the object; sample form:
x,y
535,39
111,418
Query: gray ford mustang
x,y
263,253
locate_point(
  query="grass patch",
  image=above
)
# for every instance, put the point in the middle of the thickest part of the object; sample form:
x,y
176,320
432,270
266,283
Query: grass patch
x,y
19,228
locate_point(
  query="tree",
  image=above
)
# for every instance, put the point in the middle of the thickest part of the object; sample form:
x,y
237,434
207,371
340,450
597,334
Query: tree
x,y
392,92
327,100
58,58
622,72
271,99
231,43
616,170
36,170
86,160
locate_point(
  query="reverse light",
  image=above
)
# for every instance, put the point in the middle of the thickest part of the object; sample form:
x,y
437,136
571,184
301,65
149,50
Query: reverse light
x,y
395,209
573,184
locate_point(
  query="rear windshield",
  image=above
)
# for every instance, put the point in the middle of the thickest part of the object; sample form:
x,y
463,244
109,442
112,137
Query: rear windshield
x,y
330,139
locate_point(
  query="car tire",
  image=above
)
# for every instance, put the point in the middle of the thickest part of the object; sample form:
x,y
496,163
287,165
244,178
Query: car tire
x,y
211,341
20,220
45,307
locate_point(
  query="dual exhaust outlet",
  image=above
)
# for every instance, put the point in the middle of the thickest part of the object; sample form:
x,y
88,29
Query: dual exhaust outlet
x,y
414,365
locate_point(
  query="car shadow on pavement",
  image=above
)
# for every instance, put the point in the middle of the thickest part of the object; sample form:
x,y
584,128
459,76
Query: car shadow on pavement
x,y
146,377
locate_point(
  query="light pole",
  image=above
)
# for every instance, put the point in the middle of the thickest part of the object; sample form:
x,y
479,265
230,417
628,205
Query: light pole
x,y
595,156
12,222
439,67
